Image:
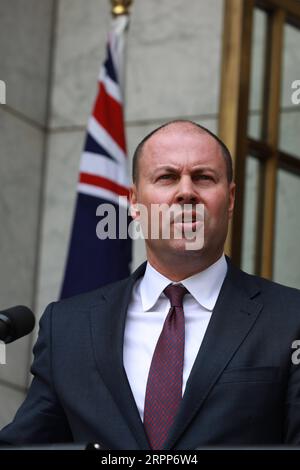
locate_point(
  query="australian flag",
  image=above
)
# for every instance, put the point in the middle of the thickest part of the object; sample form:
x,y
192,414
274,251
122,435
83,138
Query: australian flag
x,y
103,177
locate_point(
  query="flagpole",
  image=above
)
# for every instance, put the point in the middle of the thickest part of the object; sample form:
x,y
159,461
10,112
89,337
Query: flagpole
x,y
120,10
96,258
120,7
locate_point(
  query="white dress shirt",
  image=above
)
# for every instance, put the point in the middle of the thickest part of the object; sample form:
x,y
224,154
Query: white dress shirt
x,y
147,312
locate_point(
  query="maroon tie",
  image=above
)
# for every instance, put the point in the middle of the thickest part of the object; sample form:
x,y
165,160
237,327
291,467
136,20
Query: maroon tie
x,y
164,385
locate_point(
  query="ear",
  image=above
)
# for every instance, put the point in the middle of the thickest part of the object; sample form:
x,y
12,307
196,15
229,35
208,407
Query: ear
x,y
134,212
232,187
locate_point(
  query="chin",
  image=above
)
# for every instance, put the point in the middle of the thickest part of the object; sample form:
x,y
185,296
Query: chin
x,y
180,247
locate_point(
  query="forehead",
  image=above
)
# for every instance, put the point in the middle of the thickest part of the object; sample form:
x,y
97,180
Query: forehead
x,y
182,145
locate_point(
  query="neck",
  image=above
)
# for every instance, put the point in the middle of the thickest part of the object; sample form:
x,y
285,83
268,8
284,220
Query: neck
x,y
178,268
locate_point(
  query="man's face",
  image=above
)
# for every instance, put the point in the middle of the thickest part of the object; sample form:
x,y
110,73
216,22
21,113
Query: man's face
x,y
181,165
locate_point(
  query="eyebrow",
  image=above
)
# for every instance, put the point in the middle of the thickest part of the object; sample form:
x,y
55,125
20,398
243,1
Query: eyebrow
x,y
166,168
176,168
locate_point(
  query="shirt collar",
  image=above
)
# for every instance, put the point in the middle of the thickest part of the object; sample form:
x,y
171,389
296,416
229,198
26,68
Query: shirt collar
x,y
204,286
152,285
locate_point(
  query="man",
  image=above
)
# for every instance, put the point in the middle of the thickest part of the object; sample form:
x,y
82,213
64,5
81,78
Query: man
x,y
129,367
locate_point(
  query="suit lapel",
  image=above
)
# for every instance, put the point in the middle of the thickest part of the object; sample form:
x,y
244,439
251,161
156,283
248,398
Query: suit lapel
x,y
232,319
107,326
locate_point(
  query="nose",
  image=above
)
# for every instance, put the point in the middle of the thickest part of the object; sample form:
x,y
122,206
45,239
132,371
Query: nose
x,y
186,192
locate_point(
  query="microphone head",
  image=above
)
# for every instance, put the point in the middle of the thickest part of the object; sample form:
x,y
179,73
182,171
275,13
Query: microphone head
x,y
15,322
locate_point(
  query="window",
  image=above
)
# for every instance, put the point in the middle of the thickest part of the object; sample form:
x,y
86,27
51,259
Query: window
x,y
261,126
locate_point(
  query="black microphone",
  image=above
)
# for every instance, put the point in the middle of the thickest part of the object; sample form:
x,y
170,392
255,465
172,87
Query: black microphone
x,y
15,322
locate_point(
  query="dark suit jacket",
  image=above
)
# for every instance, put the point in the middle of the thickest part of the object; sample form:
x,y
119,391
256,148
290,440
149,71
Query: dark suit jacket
x,y
243,388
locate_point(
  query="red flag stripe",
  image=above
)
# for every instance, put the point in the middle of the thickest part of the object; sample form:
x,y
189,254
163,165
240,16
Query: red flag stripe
x,y
105,183
109,113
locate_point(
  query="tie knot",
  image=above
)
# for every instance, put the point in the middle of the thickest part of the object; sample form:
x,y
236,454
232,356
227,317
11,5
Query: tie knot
x,y
175,294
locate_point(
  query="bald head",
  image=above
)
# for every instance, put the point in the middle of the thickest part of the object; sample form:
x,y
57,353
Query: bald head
x,y
182,125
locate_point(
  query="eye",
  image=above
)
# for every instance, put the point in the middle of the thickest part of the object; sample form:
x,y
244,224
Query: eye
x,y
203,176
167,176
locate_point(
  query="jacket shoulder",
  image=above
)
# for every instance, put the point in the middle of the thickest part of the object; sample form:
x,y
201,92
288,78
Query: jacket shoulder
x,y
91,298
271,290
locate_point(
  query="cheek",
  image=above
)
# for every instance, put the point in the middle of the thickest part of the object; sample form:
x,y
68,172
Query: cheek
x,y
217,208
154,196
146,200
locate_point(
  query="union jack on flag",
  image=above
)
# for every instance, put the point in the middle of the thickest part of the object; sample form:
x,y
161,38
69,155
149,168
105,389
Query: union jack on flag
x,y
103,178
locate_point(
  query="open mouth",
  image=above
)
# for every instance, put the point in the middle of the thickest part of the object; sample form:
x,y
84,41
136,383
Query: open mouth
x,y
188,223
188,218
